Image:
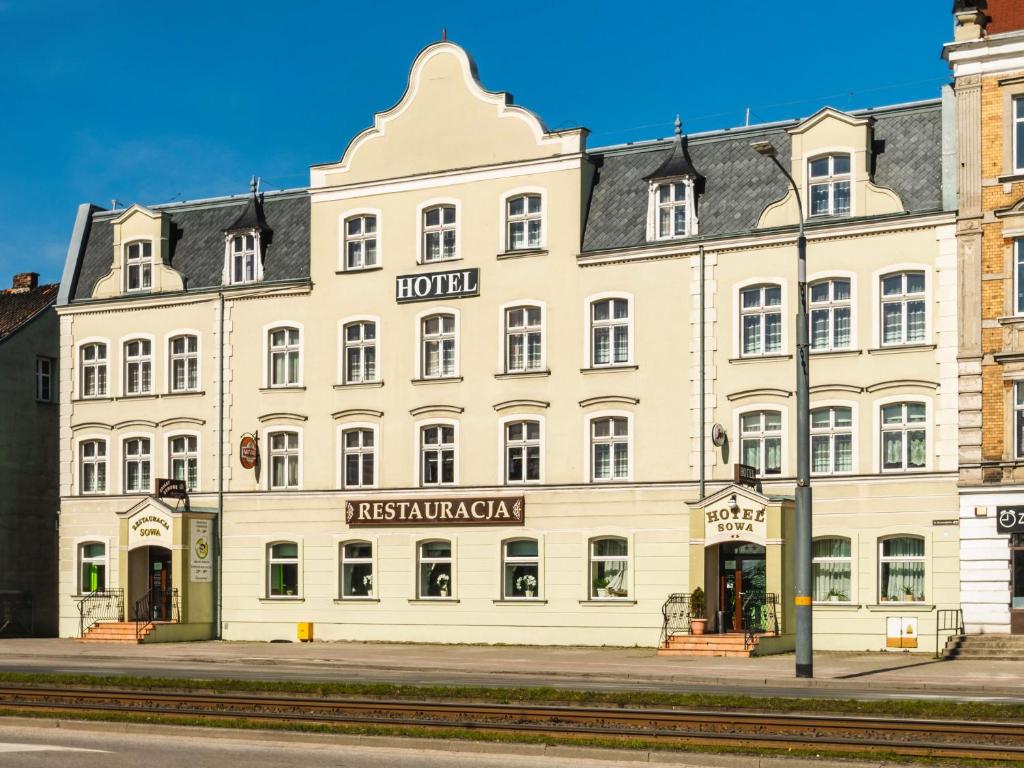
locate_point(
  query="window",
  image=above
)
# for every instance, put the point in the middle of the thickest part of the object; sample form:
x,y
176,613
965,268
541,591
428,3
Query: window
x,y
1018,134
901,570
139,266
435,572
1018,249
524,340
92,567
184,364
184,455
356,569
437,452
830,185
609,566
832,567
522,451
761,441
904,436
243,259
521,570
1018,416
136,465
283,569
44,379
439,233
524,222
360,341
138,367
903,308
609,329
284,460
361,242
830,315
761,320
439,346
284,357
94,370
92,456
671,202
357,457
831,440
609,445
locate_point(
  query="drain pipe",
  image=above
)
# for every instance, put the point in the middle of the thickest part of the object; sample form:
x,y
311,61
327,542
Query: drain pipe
x,y
218,581
700,388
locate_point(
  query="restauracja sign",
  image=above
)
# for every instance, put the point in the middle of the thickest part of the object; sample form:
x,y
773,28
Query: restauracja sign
x,y
490,510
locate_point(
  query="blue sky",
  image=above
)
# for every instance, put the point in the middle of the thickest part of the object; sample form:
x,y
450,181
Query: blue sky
x,y
148,102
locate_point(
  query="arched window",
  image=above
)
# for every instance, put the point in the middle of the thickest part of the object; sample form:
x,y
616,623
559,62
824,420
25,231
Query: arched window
x,y
285,357
830,315
829,181
283,569
523,218
439,347
901,569
832,569
436,578
357,458
904,309
520,569
183,451
356,570
672,204
184,367
92,456
761,320
609,446
360,351
243,259
524,339
92,567
439,229
138,367
94,370
609,568
138,264
137,463
437,454
284,460
522,451
360,242
610,332
761,441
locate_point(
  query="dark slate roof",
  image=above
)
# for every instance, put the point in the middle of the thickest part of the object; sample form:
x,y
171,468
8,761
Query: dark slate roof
x,y
197,240
250,218
678,162
739,184
19,307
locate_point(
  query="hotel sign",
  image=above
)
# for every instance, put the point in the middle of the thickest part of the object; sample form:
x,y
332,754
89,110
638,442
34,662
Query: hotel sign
x,y
485,510
741,520
455,284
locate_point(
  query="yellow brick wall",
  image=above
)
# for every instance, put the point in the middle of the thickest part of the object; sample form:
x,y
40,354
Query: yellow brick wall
x,y
992,390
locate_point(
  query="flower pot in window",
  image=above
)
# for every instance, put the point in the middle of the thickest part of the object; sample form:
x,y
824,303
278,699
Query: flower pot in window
x,y
602,592
529,593
443,591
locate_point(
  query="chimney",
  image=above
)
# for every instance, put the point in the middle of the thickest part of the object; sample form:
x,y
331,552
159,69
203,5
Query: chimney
x,y
25,281
970,19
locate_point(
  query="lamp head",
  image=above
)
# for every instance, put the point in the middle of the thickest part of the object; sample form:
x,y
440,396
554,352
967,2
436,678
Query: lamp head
x,y
763,148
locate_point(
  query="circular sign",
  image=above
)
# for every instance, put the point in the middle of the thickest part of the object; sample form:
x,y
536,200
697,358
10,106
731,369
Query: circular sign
x,y
202,549
248,451
718,435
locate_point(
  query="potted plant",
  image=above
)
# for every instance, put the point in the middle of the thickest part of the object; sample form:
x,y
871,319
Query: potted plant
x,y
698,623
920,597
908,595
601,586
836,596
368,584
526,584
442,584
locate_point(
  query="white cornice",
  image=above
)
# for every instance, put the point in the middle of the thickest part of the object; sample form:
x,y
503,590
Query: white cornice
x,y
177,300
986,56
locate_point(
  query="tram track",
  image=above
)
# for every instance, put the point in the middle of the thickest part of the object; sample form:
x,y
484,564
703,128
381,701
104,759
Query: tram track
x,y
951,739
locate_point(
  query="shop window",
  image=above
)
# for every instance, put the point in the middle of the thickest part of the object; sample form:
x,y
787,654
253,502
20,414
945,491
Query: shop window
x,y
284,460
521,570
137,465
901,569
183,451
832,569
435,570
761,320
184,351
357,457
138,367
283,569
609,569
356,569
523,219
904,437
94,370
92,567
93,460
609,446
285,357
243,261
832,440
522,451
439,233
761,441
438,339
903,309
360,353
524,339
138,258
609,332
437,454
830,315
360,242
44,379
829,181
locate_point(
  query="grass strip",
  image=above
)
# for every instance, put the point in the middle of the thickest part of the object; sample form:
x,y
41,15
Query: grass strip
x,y
908,708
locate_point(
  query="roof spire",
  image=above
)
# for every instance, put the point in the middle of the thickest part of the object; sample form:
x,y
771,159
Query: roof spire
x,y
679,127
444,34
677,164
254,185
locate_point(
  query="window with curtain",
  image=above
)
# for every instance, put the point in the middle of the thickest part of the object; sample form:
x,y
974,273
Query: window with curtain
x,y
92,567
761,441
285,357
522,451
138,266
360,353
283,569
830,315
138,367
671,203
523,214
356,569
904,436
243,258
761,320
829,182
609,568
901,569
94,370
136,465
360,242
93,459
524,339
435,571
284,460
609,332
831,440
439,233
831,570
609,445
437,454
184,455
437,336
520,569
357,458
903,308
184,352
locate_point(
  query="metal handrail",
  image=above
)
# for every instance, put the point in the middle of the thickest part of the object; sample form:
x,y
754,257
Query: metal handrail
x,y
948,620
103,604
155,597
676,616
760,615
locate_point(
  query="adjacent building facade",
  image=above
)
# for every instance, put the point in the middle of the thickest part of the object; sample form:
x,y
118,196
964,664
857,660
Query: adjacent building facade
x,y
451,392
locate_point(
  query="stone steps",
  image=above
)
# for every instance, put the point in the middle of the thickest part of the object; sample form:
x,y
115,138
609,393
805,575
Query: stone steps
x,y
985,647
116,632
728,646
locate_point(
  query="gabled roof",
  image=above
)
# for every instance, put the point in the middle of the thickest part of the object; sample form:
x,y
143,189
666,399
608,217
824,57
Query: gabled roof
x,y
18,307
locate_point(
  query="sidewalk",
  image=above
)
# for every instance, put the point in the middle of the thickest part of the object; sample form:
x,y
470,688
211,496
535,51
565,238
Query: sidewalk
x,y
836,674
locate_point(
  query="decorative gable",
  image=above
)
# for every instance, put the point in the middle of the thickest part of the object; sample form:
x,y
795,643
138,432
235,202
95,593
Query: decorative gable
x,y
141,255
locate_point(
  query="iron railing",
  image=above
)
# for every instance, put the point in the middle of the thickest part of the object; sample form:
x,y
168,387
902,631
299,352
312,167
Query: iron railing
x,y
676,616
15,613
947,620
156,605
101,605
760,615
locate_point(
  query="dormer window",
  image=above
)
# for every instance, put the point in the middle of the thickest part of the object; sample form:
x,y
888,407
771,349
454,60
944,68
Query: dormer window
x,y
139,266
829,181
242,250
244,242
672,208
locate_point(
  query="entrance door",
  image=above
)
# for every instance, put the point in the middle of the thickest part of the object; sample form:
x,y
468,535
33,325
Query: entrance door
x,y
1017,584
160,583
741,578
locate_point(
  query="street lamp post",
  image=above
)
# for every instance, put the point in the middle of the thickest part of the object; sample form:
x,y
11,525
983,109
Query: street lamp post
x,y
803,599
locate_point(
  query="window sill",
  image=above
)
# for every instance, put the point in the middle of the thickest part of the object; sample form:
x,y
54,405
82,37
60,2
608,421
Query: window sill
x,y
608,601
901,348
343,600
521,253
357,270
1010,178
46,402
1010,320
434,600
101,399
837,353
359,385
609,368
291,388
521,601
903,607
439,380
523,374
760,358
282,599
828,605
435,262
185,393
142,396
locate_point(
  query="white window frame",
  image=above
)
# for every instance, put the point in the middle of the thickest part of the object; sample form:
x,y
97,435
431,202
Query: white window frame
x,y
169,339
79,561
267,451
421,229
830,180
588,338
878,298
504,333
228,273
923,559
152,459
421,450
630,559
1017,402
143,264
831,305
1018,272
504,559
371,561
44,376
452,559
503,422
80,474
1016,119
505,244
588,447
270,561
81,365
340,431
343,347
654,206
905,427
829,560
740,313
188,456
343,239
784,415
416,449
418,358
831,432
265,346
123,343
